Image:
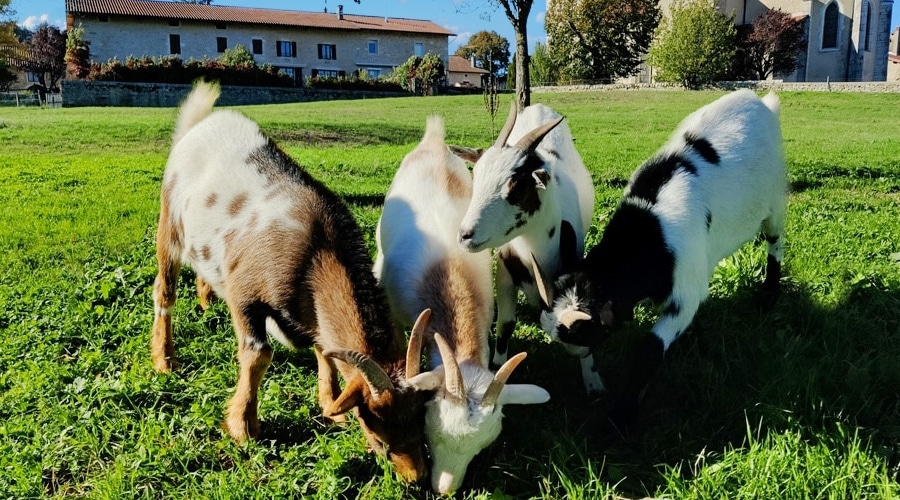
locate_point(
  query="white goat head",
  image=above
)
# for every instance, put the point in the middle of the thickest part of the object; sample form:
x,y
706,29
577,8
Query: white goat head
x,y
507,184
465,415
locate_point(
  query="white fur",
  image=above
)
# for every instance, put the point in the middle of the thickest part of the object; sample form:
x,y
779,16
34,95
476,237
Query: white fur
x,y
418,228
568,195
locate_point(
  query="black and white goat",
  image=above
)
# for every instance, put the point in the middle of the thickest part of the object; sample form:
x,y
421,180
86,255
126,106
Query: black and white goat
x,y
717,182
286,255
422,267
530,189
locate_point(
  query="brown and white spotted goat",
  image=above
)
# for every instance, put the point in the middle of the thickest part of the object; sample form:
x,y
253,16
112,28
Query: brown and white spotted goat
x,y
288,258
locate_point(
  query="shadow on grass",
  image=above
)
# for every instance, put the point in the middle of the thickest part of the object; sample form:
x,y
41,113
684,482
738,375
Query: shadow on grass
x,y
801,366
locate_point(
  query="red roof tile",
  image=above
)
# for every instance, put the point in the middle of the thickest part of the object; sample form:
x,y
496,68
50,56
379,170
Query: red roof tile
x,y
215,13
459,64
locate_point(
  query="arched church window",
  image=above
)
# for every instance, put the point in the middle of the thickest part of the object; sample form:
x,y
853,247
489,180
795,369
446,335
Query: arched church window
x,y
868,41
830,26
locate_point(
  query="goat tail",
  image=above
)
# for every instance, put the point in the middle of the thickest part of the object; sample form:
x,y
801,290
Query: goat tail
x,y
197,106
772,102
434,129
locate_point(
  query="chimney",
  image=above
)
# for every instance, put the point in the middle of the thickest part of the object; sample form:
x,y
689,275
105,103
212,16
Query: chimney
x,y
341,12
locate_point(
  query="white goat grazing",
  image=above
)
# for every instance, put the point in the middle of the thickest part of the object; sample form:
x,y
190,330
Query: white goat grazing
x,y
287,256
421,266
714,185
531,191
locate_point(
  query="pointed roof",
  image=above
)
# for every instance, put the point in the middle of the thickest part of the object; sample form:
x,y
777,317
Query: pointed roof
x,y
249,15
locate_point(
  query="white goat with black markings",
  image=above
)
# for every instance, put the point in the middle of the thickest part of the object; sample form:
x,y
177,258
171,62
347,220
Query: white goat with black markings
x,y
287,256
530,189
718,182
422,267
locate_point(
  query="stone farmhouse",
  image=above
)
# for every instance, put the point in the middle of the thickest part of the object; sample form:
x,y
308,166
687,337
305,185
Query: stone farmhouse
x,y
847,40
462,72
299,44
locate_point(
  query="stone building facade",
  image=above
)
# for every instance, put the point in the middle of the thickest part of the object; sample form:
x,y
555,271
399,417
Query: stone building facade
x,y
300,44
847,40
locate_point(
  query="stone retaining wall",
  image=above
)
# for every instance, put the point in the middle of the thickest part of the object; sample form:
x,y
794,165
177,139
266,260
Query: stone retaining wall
x,y
78,93
776,86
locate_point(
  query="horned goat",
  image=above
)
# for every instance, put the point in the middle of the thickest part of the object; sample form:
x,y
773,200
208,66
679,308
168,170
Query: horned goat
x,y
286,255
530,187
421,266
717,182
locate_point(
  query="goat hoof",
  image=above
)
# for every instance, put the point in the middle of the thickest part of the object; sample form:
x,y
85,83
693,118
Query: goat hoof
x,y
337,419
165,365
241,431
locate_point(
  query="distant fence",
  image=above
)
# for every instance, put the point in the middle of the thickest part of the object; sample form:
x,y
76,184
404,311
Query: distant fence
x,y
78,93
776,86
23,99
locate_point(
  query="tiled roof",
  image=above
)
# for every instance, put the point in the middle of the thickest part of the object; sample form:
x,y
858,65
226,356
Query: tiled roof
x,y
459,64
215,13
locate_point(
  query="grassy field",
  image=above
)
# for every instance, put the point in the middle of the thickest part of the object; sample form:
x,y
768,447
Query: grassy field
x,y
801,402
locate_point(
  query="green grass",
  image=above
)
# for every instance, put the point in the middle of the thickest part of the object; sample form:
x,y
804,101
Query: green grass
x,y
800,402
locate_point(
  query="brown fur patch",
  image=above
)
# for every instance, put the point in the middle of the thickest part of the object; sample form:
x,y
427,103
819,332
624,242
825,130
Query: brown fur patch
x,y
206,252
237,204
456,187
211,200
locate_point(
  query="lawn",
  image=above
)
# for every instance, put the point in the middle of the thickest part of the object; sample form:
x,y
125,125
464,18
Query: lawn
x,y
799,402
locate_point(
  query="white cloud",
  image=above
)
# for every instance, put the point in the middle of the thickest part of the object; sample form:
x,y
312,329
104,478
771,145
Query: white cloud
x,y
540,16
33,22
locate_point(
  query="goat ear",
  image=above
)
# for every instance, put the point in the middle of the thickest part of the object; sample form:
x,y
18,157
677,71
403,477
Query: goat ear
x,y
541,178
523,394
545,288
568,248
469,154
348,399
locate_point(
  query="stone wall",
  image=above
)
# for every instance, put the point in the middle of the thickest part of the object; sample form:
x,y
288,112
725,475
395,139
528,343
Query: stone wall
x,y
78,93
776,86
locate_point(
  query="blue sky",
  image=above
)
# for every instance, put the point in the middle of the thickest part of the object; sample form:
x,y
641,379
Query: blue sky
x,y
463,17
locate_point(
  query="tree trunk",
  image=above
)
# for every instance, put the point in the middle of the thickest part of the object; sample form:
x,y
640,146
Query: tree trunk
x,y
523,75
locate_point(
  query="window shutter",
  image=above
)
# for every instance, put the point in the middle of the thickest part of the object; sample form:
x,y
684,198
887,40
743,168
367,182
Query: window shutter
x,y
334,51
293,49
315,73
278,49
341,74
320,51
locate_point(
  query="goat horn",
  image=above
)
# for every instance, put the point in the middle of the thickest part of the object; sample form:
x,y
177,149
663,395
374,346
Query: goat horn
x,y
508,126
530,141
371,372
414,350
453,380
493,390
568,318
545,292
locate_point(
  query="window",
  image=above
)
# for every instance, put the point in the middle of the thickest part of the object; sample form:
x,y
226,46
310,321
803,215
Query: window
x,y
327,73
830,26
174,22
174,44
221,44
257,46
867,42
33,76
372,73
295,73
285,49
327,51
373,46
419,49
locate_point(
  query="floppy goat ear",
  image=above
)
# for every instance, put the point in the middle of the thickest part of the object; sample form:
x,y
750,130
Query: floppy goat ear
x,y
541,178
468,154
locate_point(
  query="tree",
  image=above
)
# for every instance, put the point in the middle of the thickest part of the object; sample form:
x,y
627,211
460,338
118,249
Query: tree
x,y
78,54
772,44
423,72
45,55
490,50
543,69
599,39
238,56
695,45
7,26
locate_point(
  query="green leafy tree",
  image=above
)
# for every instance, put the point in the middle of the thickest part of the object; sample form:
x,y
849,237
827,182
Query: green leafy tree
x,y
420,73
490,50
237,57
7,26
695,45
7,77
543,70
772,44
599,39
78,54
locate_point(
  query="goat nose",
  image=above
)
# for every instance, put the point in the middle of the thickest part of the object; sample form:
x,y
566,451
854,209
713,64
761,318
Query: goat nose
x,y
466,234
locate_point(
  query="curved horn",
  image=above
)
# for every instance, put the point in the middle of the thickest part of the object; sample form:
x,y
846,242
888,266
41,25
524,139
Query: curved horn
x,y
371,372
568,318
508,126
453,380
531,140
414,350
544,291
493,390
